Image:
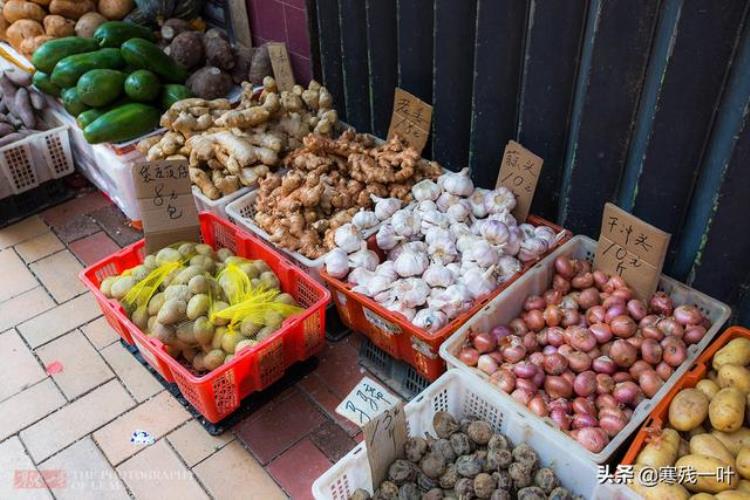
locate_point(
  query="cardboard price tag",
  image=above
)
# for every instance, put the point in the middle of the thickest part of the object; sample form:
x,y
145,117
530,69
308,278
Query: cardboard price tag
x,y
282,68
631,248
166,204
385,436
519,172
367,400
411,119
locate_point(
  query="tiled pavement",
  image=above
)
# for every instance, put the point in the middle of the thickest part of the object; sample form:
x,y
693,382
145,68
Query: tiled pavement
x,y
71,395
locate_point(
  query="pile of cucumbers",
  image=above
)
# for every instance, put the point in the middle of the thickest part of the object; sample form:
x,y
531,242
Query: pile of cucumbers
x,y
116,84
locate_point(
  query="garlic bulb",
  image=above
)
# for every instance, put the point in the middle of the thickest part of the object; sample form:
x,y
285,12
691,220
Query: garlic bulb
x,y
406,223
465,242
437,233
373,285
337,263
398,307
384,296
495,232
476,200
532,249
547,234
459,229
365,219
455,269
359,276
513,245
411,263
455,300
458,183
385,207
425,190
416,246
348,238
364,258
442,251
482,253
476,226
386,237
430,319
437,275
459,212
446,200
425,205
417,293
527,230
434,218
507,267
479,283
388,270
500,199
505,217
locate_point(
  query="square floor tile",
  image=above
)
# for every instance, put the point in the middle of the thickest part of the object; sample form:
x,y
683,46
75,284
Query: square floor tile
x,y
94,248
298,468
18,367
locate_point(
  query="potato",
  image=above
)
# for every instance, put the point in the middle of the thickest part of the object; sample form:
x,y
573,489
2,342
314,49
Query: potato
x,y
204,249
248,328
244,344
736,352
179,292
22,30
265,332
172,311
198,362
88,23
166,255
688,409
219,306
72,9
150,261
29,45
58,26
203,330
726,410
223,254
198,284
743,485
230,340
155,303
115,10
734,376
184,276
185,334
122,286
140,317
743,462
734,441
706,444
697,431
15,10
702,496
106,285
218,337
732,495
661,451
150,324
708,387
214,359
661,491
706,468
163,332
198,306
4,24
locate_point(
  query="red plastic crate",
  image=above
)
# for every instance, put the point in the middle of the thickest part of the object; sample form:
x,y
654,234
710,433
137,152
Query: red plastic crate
x,y
396,335
219,392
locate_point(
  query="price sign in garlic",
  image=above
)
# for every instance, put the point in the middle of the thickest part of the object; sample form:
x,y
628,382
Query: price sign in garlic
x,y
519,172
411,119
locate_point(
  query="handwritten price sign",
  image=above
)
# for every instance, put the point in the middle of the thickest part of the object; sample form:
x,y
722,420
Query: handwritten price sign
x,y
519,172
166,203
384,437
282,67
411,119
367,400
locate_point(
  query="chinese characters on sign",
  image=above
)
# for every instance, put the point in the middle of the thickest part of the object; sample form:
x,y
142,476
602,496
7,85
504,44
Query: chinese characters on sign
x,y
282,68
411,119
384,437
631,248
166,204
519,172
365,401
650,476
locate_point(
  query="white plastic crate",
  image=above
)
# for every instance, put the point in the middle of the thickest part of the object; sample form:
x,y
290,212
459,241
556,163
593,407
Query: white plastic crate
x,y
217,207
458,393
36,158
509,303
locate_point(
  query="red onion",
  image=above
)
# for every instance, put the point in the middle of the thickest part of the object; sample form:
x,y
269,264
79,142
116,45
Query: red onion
x,y
549,349
569,376
555,364
514,353
624,293
585,383
611,424
651,332
661,303
518,326
581,420
623,326
526,384
674,354
570,301
579,361
593,439
650,320
538,406
694,334
499,332
601,331
616,311
534,302
636,340
552,296
584,406
650,383
560,403
670,328
687,314
483,342
504,379
613,300
604,364
560,417
617,282
537,358
534,319
487,364
582,266
469,356
522,396
621,377
584,280
570,317
623,353
565,350
555,336
611,411
664,371
626,392
552,315
594,353
588,298
638,367
637,309
564,267
600,279
651,351
605,347
539,378
560,284
525,370
595,314
581,338
530,342
606,401
558,387
497,356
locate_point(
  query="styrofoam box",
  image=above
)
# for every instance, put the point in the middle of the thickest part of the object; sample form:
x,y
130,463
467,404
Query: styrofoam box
x,y
509,303
458,393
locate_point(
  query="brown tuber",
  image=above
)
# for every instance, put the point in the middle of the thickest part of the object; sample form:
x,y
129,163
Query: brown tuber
x,y
209,82
531,493
545,478
468,465
479,431
484,485
415,448
449,477
460,443
218,51
433,464
187,49
444,424
409,491
525,454
402,471
520,474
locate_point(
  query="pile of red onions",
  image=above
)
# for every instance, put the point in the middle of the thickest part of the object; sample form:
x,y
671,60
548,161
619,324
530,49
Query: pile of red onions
x,y
586,352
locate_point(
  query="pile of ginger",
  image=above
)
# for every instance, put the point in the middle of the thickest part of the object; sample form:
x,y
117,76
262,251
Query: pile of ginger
x,y
230,146
328,181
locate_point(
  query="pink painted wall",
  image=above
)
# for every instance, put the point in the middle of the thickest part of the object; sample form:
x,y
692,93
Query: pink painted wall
x,y
283,21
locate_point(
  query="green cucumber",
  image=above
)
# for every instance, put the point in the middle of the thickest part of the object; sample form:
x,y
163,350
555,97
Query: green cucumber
x,y
142,85
146,55
122,123
100,87
115,33
173,92
88,116
46,56
72,102
42,81
68,70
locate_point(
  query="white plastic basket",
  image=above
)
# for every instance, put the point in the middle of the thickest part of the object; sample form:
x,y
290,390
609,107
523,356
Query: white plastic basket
x,y
509,303
37,158
241,212
458,393
217,207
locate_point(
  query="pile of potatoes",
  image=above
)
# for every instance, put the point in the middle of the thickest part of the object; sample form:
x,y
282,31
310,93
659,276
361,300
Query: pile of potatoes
x,y
178,312
709,429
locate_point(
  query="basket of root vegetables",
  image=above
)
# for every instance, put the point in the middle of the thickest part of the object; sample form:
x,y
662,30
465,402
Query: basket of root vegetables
x,y
222,318
431,265
699,429
572,346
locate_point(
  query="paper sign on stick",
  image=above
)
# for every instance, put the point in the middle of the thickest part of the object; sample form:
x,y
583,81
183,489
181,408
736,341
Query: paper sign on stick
x,y
384,437
411,119
631,248
282,68
367,400
519,172
166,204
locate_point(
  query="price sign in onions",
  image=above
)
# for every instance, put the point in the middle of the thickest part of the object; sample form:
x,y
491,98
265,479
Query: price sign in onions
x,y
519,172
411,119
282,68
384,437
366,401
166,204
631,248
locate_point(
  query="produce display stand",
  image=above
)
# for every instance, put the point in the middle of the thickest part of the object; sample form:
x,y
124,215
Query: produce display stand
x,y
509,303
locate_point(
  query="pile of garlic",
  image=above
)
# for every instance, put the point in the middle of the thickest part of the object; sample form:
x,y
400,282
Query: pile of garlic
x,y
453,245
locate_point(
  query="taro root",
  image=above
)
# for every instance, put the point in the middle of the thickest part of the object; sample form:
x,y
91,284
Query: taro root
x,y
433,494
497,459
531,493
521,475
503,479
360,494
444,424
468,465
498,442
484,485
545,478
460,443
480,432
443,446
425,483
402,471
526,455
464,488
449,477
500,495
433,464
409,491
466,422
560,493
388,490
414,448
